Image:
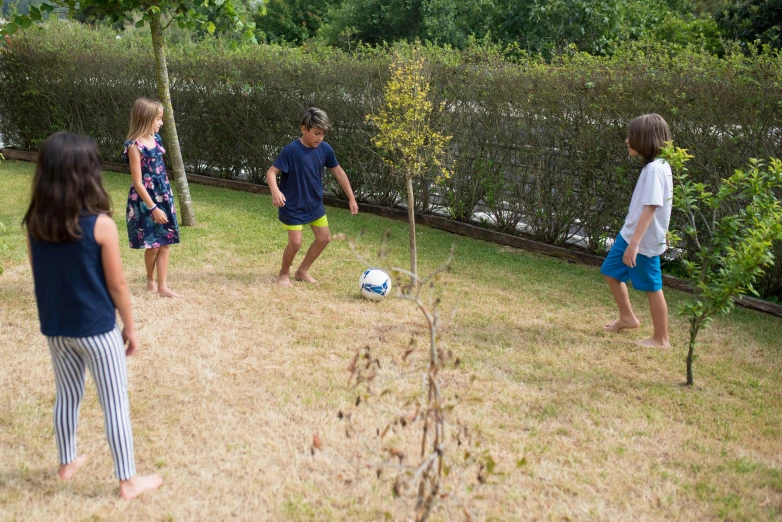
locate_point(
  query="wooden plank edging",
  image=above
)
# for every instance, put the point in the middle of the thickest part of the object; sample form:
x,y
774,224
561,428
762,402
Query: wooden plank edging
x,y
439,222
21,155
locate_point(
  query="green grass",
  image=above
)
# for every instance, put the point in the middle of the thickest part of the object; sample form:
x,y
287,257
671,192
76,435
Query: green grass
x,y
226,401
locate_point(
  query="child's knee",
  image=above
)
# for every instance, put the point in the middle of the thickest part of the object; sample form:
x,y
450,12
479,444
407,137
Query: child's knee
x,y
294,243
324,240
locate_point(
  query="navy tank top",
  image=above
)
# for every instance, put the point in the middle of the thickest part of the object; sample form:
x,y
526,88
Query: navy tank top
x,y
70,287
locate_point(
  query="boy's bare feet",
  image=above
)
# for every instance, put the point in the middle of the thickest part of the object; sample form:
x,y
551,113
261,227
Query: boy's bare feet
x,y
151,285
653,343
305,276
67,471
620,324
284,280
137,485
167,292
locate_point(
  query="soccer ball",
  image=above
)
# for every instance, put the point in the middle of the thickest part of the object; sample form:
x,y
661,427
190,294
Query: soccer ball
x,y
374,284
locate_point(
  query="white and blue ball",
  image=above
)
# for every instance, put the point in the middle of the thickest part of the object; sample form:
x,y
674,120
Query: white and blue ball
x,y
374,284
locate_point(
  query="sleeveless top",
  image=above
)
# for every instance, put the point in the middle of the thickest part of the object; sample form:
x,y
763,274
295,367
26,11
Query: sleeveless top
x,y
70,287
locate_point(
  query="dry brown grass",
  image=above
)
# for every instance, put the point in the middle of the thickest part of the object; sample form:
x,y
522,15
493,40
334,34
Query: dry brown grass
x,y
231,383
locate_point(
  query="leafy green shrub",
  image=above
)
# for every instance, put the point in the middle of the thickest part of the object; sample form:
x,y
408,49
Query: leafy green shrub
x,y
730,233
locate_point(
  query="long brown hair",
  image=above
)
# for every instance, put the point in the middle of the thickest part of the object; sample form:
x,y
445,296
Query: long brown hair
x,y
142,116
647,135
67,185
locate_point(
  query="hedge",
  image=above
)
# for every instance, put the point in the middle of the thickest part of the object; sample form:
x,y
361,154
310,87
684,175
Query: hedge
x,y
538,147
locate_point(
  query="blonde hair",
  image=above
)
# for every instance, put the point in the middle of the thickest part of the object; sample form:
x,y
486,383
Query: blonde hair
x,y
647,135
142,116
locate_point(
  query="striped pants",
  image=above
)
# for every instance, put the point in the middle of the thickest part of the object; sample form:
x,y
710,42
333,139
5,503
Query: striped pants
x,y
104,355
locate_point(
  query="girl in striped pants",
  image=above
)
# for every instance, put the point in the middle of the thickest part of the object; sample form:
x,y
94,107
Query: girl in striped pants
x,y
74,252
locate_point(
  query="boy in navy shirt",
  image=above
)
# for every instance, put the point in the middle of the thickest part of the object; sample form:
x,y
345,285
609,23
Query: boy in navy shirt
x,y
300,192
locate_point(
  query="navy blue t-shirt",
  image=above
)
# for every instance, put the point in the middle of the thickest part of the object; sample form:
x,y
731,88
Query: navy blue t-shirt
x,y
301,181
70,286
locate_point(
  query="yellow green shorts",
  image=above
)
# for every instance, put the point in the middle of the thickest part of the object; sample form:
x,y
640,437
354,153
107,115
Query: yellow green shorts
x,y
320,222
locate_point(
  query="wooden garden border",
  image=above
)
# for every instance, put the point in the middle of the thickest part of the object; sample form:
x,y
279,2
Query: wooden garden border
x,y
439,222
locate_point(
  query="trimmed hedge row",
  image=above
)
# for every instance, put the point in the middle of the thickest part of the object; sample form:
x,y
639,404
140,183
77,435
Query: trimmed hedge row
x,y
537,147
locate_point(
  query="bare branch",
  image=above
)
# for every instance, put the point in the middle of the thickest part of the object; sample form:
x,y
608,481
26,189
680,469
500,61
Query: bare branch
x,y
429,461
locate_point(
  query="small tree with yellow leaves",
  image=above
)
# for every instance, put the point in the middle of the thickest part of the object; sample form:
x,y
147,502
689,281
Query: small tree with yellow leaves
x,y
405,134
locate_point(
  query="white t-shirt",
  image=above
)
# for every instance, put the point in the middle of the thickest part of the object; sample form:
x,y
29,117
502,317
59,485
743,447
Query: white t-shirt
x,y
654,187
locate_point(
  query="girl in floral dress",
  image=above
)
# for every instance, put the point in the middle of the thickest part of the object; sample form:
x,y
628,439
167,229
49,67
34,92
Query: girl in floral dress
x,y
151,214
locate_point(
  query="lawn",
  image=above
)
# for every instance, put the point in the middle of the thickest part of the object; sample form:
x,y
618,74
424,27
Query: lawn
x,y
231,383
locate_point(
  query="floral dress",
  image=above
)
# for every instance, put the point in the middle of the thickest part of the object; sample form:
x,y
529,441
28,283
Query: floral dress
x,y
143,232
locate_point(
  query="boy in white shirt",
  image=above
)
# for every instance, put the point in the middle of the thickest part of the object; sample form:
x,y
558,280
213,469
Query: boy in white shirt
x,y
635,255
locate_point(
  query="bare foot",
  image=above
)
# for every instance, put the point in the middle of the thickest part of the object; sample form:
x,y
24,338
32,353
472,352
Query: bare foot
x,y
284,280
67,471
151,285
620,324
137,485
167,292
305,276
653,343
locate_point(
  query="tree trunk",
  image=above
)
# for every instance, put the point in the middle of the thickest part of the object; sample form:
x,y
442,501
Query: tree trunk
x,y
691,353
187,215
411,222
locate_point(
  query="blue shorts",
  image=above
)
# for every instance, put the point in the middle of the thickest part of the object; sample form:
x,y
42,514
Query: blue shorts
x,y
646,275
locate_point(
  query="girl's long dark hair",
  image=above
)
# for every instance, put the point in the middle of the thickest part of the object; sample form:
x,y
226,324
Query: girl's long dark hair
x,y
67,184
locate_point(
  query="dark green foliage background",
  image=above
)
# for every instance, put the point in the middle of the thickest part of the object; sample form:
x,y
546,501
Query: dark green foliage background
x,y
750,21
533,141
594,26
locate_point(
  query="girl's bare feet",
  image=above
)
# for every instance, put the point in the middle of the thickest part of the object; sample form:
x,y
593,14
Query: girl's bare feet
x,y
137,485
151,285
653,343
167,292
305,276
284,280
620,324
67,471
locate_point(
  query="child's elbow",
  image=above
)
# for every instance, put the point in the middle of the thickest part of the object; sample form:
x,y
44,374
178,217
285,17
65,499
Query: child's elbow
x,y
117,286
